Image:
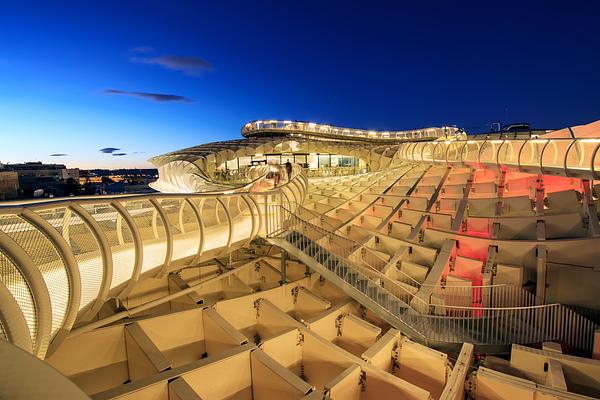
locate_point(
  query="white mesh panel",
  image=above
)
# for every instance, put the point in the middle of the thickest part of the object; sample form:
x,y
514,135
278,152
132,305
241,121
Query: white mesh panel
x,y
242,219
152,232
120,240
2,333
18,287
184,226
216,228
47,259
85,248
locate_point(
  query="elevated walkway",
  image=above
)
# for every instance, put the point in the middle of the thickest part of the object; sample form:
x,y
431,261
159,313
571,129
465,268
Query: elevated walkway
x,y
61,260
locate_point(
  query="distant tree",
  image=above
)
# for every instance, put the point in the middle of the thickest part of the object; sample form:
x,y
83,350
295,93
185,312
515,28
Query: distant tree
x,y
136,180
106,180
89,188
72,186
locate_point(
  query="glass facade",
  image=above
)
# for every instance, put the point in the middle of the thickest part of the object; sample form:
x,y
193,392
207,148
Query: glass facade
x,y
308,161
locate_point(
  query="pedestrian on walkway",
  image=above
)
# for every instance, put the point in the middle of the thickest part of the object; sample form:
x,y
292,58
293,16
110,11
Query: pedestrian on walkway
x,y
288,169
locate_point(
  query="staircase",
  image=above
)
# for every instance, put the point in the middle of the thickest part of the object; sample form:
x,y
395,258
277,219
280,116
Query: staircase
x,y
491,330
354,283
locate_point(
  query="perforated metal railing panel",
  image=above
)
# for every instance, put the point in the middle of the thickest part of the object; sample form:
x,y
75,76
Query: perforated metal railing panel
x,y
119,237
63,245
184,227
47,259
152,232
17,285
2,332
85,248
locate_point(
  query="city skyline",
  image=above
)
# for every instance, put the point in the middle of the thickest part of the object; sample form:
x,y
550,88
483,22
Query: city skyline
x,y
161,77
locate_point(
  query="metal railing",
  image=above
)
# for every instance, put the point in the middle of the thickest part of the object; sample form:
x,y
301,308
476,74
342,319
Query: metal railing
x,y
266,126
373,267
242,176
490,296
68,256
565,157
496,315
327,172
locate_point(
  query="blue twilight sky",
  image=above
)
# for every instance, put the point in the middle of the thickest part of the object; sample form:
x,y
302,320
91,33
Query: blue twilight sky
x,y
70,71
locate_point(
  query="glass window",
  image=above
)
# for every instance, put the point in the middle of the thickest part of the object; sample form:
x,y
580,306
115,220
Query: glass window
x,y
336,160
313,162
300,159
324,160
274,159
244,161
232,164
259,160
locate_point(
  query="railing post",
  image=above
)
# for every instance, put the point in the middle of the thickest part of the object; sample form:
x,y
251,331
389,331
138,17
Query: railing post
x,y
267,228
283,267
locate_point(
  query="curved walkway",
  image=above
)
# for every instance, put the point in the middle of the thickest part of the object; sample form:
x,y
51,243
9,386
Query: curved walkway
x,y
61,260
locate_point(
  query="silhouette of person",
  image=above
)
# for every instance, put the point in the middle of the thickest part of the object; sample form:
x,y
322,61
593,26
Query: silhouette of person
x,y
288,169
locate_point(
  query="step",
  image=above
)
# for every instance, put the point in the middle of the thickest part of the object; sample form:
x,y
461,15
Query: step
x,y
312,250
303,243
322,257
293,236
351,277
342,270
362,283
331,264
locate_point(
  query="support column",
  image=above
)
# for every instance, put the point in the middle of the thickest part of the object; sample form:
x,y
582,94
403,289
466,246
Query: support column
x,y
541,267
589,208
596,348
160,213
283,268
539,196
501,182
229,222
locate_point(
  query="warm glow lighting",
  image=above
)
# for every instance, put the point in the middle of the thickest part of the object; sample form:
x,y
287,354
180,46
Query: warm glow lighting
x,y
588,140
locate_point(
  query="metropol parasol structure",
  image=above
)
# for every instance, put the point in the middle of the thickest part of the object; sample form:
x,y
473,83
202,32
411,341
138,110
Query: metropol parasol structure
x,y
404,264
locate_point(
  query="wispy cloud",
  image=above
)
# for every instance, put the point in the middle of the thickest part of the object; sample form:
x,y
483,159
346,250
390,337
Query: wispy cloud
x,y
58,155
119,154
108,150
189,65
142,49
159,97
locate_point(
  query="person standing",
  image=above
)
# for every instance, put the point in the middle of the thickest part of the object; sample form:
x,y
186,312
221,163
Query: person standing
x,y
273,173
288,169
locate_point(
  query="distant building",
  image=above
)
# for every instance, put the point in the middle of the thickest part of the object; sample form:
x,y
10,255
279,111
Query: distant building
x,y
9,185
89,179
36,179
37,169
36,175
70,173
